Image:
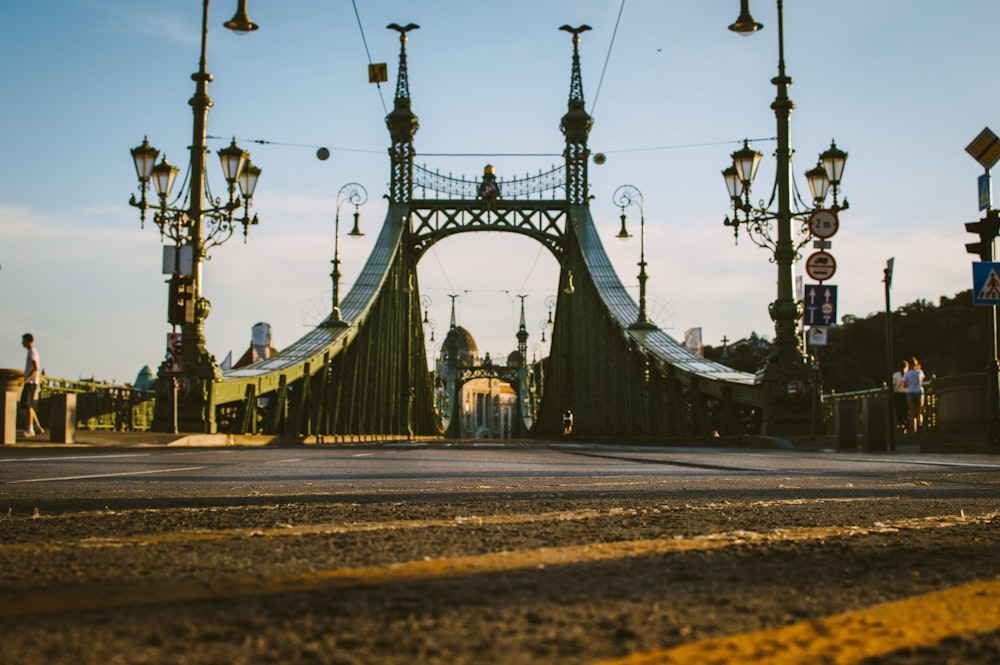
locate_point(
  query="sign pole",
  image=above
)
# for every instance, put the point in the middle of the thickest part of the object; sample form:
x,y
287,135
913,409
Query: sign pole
x,y
893,417
993,390
993,368
985,149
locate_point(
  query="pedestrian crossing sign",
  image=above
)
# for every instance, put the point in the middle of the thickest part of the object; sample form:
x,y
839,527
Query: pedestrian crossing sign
x,y
986,283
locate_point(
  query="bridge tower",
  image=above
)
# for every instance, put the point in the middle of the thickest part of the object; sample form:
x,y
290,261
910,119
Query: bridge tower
x,y
575,127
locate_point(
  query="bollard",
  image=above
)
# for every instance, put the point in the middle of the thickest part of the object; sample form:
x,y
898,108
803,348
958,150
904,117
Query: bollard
x,y
62,424
8,417
874,418
847,424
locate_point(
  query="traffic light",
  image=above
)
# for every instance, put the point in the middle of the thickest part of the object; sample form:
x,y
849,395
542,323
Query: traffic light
x,y
180,308
987,228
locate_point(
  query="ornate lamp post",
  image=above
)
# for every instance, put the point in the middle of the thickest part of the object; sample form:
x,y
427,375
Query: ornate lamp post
x,y
623,197
550,322
195,221
431,324
785,370
357,196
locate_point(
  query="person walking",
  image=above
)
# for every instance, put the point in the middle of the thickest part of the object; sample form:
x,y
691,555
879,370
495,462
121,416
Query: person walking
x,y
567,422
32,380
914,379
899,395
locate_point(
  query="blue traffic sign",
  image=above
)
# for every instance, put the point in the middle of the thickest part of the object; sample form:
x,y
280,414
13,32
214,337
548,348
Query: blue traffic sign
x,y
820,305
985,191
986,283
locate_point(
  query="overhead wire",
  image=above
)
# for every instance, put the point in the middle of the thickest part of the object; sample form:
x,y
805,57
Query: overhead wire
x,y
691,145
447,281
364,41
677,146
296,145
368,55
607,58
531,271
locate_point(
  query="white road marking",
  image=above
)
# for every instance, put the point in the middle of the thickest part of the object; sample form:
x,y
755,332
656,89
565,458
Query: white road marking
x,y
75,457
103,475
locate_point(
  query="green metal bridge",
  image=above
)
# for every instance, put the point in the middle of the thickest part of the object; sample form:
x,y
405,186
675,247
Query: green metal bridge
x,y
363,370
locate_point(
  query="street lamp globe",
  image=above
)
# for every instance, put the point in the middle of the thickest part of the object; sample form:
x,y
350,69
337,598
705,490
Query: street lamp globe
x,y
248,179
733,182
144,157
746,160
232,157
745,25
623,234
356,232
240,23
163,176
819,183
834,159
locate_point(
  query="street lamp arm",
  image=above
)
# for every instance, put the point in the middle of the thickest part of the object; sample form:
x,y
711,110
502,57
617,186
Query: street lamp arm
x,y
218,229
352,193
356,195
760,230
625,196
175,226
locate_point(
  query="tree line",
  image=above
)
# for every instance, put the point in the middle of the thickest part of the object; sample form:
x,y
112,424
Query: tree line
x,y
951,337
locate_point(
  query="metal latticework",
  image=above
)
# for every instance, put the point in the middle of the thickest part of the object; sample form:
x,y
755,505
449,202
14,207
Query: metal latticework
x,y
544,185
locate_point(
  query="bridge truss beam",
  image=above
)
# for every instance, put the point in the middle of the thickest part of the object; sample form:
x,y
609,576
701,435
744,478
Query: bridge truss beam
x,y
435,219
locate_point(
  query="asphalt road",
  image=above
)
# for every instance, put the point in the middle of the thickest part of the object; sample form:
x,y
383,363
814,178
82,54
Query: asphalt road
x,y
496,554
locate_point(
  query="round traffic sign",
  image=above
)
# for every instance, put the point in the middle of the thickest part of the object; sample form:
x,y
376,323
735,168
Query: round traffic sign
x,y
823,223
821,266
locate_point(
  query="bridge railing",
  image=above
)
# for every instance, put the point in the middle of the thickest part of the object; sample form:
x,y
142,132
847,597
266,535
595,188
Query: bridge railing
x,y
101,406
830,400
543,185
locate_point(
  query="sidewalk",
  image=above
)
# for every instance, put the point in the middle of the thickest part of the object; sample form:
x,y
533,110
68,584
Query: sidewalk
x,y
127,439
924,442
106,438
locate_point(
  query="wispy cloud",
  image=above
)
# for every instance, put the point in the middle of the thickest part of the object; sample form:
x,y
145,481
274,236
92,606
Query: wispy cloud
x,y
142,18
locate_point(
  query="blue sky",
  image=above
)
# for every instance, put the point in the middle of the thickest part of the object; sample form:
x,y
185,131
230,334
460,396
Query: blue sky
x,y
902,85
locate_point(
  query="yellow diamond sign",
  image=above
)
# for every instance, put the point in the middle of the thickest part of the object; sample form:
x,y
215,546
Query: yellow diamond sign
x,y
985,148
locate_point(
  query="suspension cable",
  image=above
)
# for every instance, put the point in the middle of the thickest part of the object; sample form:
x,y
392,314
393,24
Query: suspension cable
x,y
607,58
368,53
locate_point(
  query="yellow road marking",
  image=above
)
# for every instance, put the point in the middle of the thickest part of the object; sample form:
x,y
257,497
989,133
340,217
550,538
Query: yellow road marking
x,y
846,639
328,528
84,599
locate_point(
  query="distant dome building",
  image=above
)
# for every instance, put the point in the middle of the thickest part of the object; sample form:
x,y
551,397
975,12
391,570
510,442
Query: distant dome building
x,y
145,380
460,345
486,406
